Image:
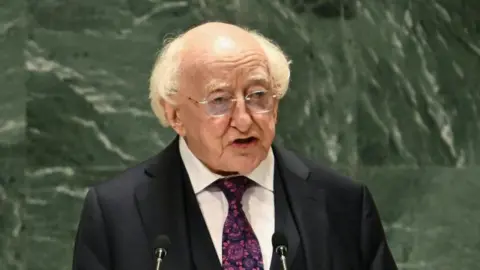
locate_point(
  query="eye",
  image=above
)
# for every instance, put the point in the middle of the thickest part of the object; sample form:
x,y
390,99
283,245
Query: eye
x,y
257,95
219,98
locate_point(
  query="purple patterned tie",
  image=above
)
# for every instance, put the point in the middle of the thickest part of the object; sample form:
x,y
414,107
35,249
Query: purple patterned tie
x,y
240,247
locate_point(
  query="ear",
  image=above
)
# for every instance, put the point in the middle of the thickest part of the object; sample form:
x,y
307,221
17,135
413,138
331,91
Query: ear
x,y
173,117
275,111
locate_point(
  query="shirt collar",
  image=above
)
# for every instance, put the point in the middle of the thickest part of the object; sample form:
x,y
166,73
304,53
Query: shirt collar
x,y
201,177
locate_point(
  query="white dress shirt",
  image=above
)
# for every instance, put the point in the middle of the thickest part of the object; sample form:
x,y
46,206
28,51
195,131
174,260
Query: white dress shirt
x,y
258,202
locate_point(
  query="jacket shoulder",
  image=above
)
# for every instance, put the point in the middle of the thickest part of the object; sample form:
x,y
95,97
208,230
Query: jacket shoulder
x,y
123,184
329,178
319,174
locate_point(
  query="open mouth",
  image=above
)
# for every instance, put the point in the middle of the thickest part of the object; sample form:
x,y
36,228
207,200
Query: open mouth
x,y
245,141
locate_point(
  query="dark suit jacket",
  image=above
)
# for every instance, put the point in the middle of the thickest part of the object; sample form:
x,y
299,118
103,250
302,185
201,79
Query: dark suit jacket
x,y
330,221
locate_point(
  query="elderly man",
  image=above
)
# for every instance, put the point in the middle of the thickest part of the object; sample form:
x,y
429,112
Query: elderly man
x,y
220,190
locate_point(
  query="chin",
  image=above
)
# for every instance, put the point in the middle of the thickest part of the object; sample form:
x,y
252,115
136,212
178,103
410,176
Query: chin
x,y
244,164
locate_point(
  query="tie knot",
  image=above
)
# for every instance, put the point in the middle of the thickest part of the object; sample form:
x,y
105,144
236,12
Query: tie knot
x,y
233,188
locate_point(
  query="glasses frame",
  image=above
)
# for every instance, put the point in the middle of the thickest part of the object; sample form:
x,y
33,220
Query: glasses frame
x,y
234,100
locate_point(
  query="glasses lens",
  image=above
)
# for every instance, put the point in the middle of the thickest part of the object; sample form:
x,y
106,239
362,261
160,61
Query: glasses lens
x,y
219,103
259,101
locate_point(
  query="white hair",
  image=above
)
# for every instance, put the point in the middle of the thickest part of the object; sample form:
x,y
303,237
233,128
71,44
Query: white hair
x,y
165,73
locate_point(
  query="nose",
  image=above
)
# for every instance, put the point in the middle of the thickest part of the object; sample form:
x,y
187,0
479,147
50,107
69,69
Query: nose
x,y
241,118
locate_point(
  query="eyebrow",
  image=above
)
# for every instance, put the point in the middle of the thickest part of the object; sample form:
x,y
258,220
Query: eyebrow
x,y
258,79
215,85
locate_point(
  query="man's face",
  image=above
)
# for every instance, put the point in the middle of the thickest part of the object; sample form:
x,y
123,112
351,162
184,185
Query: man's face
x,y
238,140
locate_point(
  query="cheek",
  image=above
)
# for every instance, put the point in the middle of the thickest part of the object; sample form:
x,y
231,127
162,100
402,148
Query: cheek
x,y
213,129
267,124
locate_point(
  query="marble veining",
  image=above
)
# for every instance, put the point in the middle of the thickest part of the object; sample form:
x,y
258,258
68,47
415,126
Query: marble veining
x,y
386,91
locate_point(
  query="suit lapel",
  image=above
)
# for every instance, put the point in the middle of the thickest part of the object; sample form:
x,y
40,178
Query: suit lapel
x,y
168,205
160,203
308,207
284,222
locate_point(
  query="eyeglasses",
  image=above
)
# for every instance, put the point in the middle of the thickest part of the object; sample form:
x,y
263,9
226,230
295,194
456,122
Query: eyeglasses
x,y
222,102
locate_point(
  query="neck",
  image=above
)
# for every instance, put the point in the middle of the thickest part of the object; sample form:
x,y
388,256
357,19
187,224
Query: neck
x,y
219,172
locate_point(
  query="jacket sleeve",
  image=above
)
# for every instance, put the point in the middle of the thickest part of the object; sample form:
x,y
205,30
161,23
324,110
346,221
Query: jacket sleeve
x,y
91,250
376,254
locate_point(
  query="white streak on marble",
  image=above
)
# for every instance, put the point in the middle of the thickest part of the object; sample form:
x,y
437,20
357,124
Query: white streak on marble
x,y
39,133
407,17
6,26
135,112
40,64
398,139
447,135
159,8
158,140
396,41
458,69
102,137
108,79
397,69
418,119
83,90
45,239
475,48
413,265
441,117
349,118
332,145
100,102
92,33
421,40
443,12
374,82
411,91
368,15
10,125
67,171
390,18
461,161
442,40
79,193
17,213
401,227
431,79
33,47
398,44
33,201
373,113
373,54
283,10
307,108
104,108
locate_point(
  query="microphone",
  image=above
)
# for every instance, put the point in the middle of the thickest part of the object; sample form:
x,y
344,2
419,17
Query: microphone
x,y
161,244
280,246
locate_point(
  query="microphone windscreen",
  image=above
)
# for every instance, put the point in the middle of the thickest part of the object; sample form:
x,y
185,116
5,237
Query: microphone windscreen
x,y
161,241
279,239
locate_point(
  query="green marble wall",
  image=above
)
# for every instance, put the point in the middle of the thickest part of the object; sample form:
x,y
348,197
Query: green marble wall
x,y
387,91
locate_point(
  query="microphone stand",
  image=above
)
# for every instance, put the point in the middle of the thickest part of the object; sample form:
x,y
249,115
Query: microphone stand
x,y
282,251
160,255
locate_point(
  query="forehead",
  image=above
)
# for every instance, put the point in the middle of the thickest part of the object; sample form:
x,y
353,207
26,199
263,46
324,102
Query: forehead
x,y
222,58
209,71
